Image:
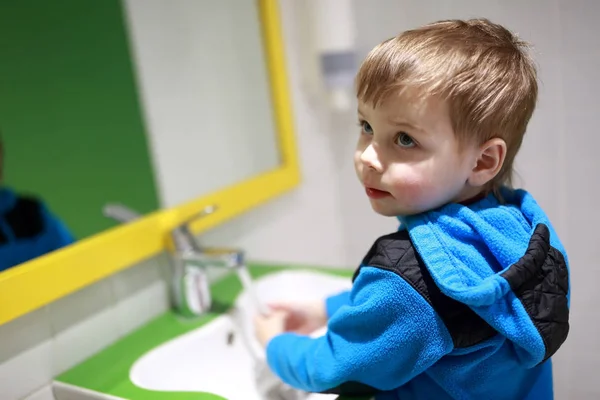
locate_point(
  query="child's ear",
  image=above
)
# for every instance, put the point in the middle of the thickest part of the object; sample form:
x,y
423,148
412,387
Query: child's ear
x,y
489,162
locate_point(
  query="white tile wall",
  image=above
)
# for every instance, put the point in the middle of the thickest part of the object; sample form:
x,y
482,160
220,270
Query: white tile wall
x,y
140,293
48,341
26,372
82,323
25,355
580,62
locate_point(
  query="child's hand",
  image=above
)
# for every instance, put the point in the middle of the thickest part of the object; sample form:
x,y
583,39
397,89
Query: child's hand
x,y
303,317
269,326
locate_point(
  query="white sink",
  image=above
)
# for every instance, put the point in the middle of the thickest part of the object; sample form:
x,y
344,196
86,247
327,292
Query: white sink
x,y
220,357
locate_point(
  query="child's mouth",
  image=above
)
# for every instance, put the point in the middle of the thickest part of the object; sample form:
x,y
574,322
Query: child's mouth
x,y
376,193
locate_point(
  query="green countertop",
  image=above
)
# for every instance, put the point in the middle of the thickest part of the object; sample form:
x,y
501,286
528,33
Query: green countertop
x,y
108,371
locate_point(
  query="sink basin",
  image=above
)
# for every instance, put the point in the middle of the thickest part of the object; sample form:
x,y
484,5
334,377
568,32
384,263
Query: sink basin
x,y
220,356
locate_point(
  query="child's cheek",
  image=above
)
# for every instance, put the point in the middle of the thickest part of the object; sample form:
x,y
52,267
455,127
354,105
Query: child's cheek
x,y
411,188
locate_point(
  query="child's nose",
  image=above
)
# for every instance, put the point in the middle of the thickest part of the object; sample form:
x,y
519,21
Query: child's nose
x,y
370,158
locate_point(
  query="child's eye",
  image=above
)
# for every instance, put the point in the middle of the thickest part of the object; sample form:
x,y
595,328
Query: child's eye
x,y
403,140
366,127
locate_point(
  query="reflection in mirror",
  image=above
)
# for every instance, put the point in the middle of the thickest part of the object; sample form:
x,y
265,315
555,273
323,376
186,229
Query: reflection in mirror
x,y
204,87
146,103
28,229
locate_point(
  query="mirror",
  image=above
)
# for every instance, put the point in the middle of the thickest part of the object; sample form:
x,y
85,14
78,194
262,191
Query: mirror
x,y
148,103
203,77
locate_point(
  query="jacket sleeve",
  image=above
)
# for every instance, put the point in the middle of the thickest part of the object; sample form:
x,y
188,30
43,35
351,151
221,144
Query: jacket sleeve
x,y
333,303
387,335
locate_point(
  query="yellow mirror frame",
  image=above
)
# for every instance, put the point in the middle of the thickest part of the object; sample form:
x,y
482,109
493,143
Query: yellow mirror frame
x,y
41,281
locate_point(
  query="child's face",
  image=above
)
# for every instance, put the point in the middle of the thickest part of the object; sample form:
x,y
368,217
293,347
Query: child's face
x,y
408,157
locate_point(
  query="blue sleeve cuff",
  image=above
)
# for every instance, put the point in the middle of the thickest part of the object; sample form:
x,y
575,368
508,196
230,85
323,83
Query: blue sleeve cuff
x,y
333,303
283,362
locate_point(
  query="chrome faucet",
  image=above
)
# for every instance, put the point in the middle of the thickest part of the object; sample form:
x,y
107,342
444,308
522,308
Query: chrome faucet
x,y
191,291
190,261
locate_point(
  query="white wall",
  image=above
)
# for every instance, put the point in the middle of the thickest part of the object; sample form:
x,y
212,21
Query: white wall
x,y
579,61
327,220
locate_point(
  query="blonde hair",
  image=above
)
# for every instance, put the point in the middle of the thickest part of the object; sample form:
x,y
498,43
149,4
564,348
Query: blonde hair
x,y
480,68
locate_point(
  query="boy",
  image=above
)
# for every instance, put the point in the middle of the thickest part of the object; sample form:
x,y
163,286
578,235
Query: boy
x,y
27,228
469,299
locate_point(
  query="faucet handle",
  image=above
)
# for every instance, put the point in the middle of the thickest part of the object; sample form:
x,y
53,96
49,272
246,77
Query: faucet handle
x,y
120,213
204,213
182,236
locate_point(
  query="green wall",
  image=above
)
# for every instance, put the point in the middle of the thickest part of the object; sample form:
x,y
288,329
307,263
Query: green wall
x,y
69,113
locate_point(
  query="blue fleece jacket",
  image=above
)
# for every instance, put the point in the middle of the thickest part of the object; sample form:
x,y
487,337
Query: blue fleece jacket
x,y
384,334
27,230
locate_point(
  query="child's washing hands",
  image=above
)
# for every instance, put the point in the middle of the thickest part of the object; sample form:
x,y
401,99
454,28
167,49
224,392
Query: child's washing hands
x,y
298,317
